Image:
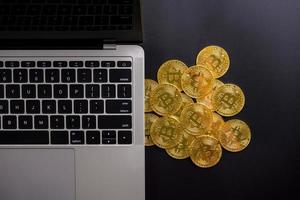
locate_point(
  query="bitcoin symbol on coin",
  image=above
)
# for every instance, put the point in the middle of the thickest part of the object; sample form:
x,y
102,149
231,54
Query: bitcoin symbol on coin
x,y
166,101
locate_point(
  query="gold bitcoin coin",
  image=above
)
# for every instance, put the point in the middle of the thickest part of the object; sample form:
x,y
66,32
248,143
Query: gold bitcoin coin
x,y
196,119
170,72
235,135
181,150
149,120
228,100
186,100
205,151
217,123
197,81
149,86
165,99
165,132
215,58
207,99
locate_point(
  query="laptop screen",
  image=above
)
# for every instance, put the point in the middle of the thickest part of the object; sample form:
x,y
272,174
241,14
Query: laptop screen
x,y
113,20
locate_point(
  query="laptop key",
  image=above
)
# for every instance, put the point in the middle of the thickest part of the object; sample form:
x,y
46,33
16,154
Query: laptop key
x,y
100,75
44,63
1,91
60,91
24,137
28,91
52,75
32,106
3,106
76,91
60,64
59,137
1,63
41,122
124,137
92,91
124,63
81,106
68,75
20,75
49,106
89,122
76,64
120,75
118,106
12,64
93,137
109,141
109,134
36,76
77,137
57,122
92,63
84,76
9,122
17,107
25,122
27,64
108,64
64,106
73,122
124,91
96,106
44,91
5,76
108,91
12,91
114,122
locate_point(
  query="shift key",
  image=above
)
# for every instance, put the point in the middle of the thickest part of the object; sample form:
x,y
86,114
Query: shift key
x,y
114,122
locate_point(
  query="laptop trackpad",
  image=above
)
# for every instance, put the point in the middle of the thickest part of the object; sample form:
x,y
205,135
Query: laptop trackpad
x,y
35,174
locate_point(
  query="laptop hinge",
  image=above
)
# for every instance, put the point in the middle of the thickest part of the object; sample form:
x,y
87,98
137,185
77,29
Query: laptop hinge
x,y
109,45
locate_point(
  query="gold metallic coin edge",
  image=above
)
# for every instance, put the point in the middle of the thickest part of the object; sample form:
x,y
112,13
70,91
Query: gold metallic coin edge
x,y
165,64
212,46
150,109
166,114
151,132
149,144
193,96
219,158
235,113
239,150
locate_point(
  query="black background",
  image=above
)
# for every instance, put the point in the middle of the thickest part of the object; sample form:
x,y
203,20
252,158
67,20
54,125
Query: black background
x,y
262,39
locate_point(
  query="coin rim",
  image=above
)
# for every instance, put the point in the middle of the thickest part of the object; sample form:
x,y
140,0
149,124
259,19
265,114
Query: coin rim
x,y
152,114
151,103
232,114
166,64
202,95
235,150
219,158
212,46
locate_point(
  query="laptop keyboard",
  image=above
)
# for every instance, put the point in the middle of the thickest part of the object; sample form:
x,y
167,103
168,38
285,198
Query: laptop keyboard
x,y
76,101
66,15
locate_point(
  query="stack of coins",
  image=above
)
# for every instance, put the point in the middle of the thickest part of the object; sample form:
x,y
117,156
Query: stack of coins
x,y
184,109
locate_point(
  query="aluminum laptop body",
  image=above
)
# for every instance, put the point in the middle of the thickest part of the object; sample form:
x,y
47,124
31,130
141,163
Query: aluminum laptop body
x,y
71,100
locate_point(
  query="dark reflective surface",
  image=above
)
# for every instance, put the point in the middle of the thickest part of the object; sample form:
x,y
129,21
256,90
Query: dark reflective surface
x,y
262,39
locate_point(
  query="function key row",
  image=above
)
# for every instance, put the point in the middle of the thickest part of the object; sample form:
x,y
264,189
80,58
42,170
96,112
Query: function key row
x,y
46,64
34,137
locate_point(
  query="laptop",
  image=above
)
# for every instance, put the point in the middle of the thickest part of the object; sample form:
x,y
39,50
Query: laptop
x,y
71,100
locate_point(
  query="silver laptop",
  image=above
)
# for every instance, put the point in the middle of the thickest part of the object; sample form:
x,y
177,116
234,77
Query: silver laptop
x,y
71,100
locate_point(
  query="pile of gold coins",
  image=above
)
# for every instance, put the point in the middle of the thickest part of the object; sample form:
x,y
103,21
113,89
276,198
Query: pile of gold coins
x,y
184,109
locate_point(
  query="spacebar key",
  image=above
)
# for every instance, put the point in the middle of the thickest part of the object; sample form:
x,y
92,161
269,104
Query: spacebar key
x,y
24,137
114,122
